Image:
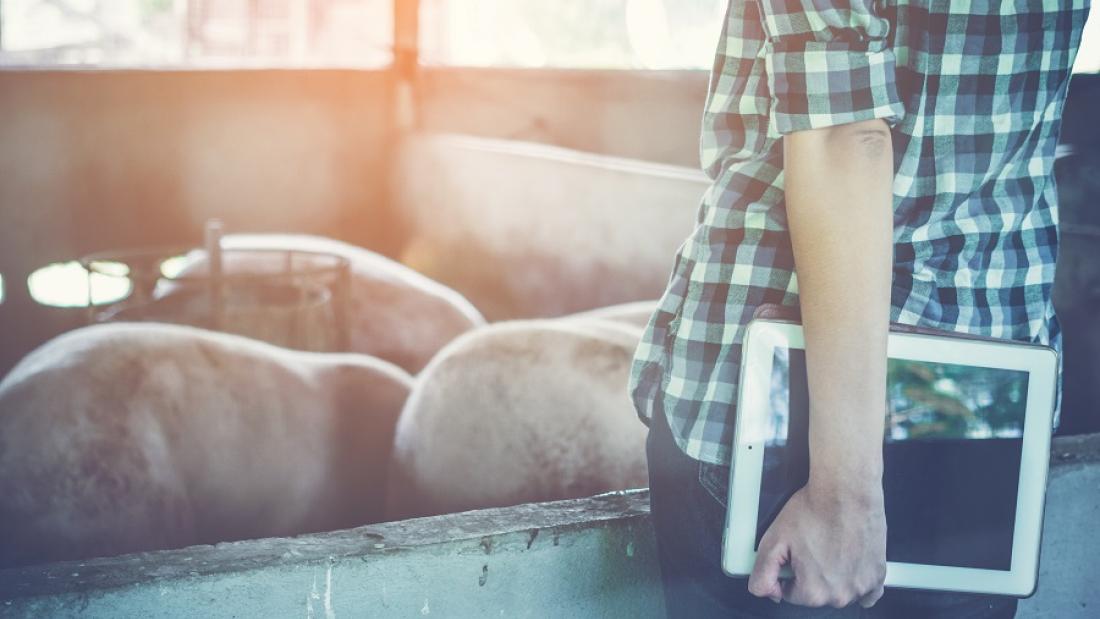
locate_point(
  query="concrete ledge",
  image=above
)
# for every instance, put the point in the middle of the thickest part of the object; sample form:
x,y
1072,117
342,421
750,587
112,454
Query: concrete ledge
x,y
584,557
567,558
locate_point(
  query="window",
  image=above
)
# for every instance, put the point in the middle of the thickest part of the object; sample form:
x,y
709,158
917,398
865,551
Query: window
x,y
202,33
619,34
591,34
68,284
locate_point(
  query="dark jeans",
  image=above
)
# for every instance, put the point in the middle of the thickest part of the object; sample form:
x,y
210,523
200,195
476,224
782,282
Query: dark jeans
x,y
687,500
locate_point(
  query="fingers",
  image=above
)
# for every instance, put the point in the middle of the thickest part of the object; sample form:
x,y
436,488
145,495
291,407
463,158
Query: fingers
x,y
764,580
871,598
814,590
806,593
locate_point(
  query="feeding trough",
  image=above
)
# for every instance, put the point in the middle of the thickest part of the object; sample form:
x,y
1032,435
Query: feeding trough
x,y
292,298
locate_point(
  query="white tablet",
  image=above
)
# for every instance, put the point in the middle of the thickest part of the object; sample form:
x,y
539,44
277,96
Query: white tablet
x,y
965,452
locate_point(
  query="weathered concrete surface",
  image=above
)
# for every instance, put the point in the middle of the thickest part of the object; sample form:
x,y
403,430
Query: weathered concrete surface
x,y
1070,561
589,557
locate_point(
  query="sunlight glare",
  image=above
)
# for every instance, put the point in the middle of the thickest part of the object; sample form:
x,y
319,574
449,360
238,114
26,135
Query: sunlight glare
x,y
172,267
65,284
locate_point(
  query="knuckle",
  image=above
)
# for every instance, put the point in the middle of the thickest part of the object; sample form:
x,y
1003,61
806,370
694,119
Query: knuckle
x,y
839,600
871,582
840,594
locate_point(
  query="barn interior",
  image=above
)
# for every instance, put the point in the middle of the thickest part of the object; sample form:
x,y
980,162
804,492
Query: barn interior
x,y
522,171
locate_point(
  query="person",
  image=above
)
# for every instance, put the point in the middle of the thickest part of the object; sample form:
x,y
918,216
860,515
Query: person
x,y
871,160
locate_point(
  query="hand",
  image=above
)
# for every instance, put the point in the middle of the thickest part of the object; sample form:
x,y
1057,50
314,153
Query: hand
x,y
834,542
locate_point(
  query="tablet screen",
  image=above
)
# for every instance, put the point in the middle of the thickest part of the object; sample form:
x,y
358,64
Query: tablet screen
x,y
951,454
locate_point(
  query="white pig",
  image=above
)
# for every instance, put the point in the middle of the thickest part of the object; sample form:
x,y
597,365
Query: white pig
x,y
125,437
520,411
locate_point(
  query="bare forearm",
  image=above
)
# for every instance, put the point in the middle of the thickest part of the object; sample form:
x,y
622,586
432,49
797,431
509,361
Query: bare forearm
x,y
838,193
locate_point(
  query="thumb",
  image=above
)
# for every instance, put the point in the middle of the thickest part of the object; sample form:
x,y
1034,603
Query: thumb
x,y
764,580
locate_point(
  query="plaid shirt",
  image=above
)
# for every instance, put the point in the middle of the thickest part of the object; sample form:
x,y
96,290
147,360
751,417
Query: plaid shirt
x,y
973,91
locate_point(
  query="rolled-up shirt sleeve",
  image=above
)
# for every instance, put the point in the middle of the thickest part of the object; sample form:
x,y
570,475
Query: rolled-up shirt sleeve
x,y
828,62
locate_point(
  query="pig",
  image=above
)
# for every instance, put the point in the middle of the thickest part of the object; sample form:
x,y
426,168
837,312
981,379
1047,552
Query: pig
x,y
636,313
123,437
519,411
396,314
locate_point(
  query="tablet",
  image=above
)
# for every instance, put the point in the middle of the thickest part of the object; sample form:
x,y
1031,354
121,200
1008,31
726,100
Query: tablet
x,y
965,453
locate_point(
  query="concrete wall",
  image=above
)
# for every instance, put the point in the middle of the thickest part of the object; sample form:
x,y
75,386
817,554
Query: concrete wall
x,y
94,160
525,229
586,558
590,557
650,115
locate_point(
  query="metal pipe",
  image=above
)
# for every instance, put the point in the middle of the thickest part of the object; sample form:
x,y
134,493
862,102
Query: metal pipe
x,y
406,63
213,242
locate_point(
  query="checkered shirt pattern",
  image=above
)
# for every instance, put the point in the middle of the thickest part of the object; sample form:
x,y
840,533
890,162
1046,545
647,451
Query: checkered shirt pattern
x,y
973,91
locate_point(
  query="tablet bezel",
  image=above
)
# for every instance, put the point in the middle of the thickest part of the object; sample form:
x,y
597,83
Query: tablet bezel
x,y
751,429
